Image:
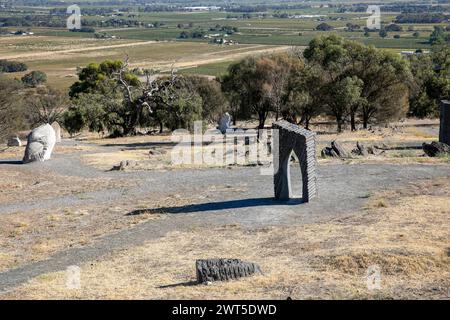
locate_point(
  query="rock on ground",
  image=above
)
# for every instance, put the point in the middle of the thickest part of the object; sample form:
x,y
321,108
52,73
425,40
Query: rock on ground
x,y
124,165
360,150
336,151
339,149
435,148
14,142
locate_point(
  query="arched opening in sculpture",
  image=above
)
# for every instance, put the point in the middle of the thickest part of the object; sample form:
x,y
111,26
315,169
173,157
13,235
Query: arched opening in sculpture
x,y
295,177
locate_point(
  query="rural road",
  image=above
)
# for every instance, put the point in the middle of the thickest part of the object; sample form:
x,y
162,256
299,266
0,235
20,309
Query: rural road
x,y
343,190
50,54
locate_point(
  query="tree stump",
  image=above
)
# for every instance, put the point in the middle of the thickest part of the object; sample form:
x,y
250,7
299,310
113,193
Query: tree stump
x,y
224,269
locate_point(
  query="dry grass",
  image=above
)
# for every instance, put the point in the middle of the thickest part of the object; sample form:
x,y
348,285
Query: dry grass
x,y
407,237
18,152
396,132
138,148
11,152
36,234
41,184
107,160
149,152
159,158
390,158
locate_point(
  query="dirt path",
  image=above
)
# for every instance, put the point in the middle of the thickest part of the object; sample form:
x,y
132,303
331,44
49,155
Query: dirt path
x,y
214,57
343,190
52,54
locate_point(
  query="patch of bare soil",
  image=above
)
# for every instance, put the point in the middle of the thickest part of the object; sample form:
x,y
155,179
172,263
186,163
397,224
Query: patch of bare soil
x,y
405,233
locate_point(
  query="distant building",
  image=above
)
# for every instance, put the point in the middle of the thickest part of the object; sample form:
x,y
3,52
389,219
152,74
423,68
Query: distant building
x,y
223,41
307,16
417,52
202,8
21,33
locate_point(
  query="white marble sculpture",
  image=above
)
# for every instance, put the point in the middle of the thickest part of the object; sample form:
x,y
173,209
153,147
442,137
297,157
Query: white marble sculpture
x,y
41,142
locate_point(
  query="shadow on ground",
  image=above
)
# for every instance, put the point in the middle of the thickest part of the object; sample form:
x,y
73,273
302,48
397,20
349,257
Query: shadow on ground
x,y
181,284
217,206
140,145
10,162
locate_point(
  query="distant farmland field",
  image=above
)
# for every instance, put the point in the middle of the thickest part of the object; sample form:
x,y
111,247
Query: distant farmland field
x,y
59,52
59,57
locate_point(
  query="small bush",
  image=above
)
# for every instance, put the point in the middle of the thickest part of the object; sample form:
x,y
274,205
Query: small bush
x,y
74,120
12,66
34,78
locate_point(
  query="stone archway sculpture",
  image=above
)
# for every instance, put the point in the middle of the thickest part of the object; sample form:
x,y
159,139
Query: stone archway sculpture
x,y
444,131
292,138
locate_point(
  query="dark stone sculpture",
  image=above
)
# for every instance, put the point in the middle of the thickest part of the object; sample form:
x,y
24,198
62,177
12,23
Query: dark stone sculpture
x,y
444,132
292,138
224,269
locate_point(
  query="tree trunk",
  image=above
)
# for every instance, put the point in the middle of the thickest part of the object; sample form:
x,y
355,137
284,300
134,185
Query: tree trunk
x,y
161,127
307,123
352,121
233,117
365,121
262,120
224,269
128,130
339,124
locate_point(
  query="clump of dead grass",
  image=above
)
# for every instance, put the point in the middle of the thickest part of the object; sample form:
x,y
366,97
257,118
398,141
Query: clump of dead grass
x,y
391,263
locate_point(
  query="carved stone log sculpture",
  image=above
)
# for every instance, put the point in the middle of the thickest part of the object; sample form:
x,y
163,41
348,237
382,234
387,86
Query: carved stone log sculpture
x,y
41,142
224,269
